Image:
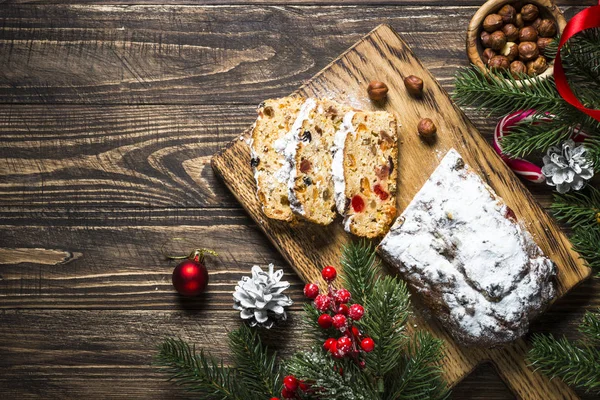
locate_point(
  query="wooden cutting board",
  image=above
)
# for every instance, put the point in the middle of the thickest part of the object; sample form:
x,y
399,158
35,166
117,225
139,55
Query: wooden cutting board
x,y
383,55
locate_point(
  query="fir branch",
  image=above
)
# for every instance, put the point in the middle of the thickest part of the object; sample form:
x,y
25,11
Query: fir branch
x,y
590,328
579,209
311,315
526,138
256,367
419,377
360,270
199,372
585,242
577,365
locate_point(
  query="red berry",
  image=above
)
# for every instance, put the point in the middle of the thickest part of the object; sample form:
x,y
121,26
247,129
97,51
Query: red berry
x,y
342,296
339,321
291,383
355,331
362,364
329,273
328,343
311,290
358,204
304,386
343,309
274,398
325,321
356,312
383,195
322,302
344,344
367,345
287,394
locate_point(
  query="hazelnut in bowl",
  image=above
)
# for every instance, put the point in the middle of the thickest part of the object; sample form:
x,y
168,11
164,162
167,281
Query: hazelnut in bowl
x,y
511,37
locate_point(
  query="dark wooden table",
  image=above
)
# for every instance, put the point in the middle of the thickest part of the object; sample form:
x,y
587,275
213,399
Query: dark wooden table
x,y
109,114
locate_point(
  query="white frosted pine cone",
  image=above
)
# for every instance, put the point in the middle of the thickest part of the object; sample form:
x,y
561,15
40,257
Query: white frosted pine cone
x,y
260,298
567,166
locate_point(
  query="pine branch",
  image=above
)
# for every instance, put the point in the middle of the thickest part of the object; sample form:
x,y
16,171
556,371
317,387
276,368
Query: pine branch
x,y
256,368
199,372
578,209
360,270
419,376
590,328
585,242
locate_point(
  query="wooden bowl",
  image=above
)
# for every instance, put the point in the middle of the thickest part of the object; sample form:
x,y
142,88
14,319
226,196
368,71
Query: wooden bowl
x,y
474,47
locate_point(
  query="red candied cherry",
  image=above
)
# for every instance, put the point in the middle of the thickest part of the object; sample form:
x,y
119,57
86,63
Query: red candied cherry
x,y
322,302
344,344
343,309
287,394
356,312
358,204
329,273
325,321
328,343
311,290
383,195
339,321
367,344
342,296
291,383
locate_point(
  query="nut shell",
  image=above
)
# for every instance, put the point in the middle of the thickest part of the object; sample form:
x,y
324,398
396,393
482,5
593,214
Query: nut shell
x,y
497,40
528,34
516,68
426,128
537,67
529,12
547,28
519,23
485,39
414,85
508,14
492,23
499,63
510,51
487,55
528,51
511,32
542,44
377,90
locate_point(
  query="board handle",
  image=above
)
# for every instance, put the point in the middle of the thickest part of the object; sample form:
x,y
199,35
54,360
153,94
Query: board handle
x,y
512,366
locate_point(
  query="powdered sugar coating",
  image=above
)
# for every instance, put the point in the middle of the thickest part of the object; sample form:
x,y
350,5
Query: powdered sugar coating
x,y
479,270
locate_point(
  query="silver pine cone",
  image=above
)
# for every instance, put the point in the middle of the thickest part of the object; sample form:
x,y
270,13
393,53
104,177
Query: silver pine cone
x,y
260,298
567,166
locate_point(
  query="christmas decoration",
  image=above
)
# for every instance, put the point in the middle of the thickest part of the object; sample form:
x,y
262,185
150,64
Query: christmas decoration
x,y
567,167
190,277
392,365
260,298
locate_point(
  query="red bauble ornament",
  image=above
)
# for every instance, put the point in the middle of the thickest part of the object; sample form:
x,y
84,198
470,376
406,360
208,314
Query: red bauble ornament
x,y
190,277
329,273
325,321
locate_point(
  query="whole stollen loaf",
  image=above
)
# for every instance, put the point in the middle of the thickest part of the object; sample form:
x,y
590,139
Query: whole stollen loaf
x,y
461,248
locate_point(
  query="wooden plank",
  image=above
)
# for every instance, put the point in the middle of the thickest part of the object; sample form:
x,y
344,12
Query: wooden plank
x,y
110,54
384,56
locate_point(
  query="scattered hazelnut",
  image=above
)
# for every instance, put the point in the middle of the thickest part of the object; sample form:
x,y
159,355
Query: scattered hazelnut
x,y
508,13
426,128
510,51
487,55
537,66
528,34
519,23
497,40
377,90
414,85
528,51
485,38
499,63
542,43
536,23
492,22
529,12
517,69
547,28
511,32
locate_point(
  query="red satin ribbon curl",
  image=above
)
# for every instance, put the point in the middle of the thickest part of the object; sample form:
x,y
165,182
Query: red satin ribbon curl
x,y
586,19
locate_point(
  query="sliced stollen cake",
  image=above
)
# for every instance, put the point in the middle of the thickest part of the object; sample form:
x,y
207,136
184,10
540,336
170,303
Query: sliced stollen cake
x,y
460,246
271,170
364,173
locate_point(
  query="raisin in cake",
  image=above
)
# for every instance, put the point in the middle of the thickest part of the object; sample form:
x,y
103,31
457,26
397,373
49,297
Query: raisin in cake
x,y
461,248
271,170
363,172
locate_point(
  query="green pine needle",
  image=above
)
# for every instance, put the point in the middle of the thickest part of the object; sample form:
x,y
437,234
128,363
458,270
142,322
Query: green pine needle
x,y
578,209
590,327
360,270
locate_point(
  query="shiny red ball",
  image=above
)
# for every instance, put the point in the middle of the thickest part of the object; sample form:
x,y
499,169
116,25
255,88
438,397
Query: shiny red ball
x,y
328,343
329,273
190,278
343,309
356,312
311,290
325,321
367,344
287,394
291,383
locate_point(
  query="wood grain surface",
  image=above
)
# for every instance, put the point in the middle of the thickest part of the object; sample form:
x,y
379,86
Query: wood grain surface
x,y
109,114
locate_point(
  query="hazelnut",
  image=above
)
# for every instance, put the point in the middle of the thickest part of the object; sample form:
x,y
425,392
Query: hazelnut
x,y
508,13
536,23
528,51
543,43
547,28
510,51
426,128
497,40
519,23
511,32
528,34
537,66
517,69
499,63
414,85
529,12
377,90
492,22
485,38
487,55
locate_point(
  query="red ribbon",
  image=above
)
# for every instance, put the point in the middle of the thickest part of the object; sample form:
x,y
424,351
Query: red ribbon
x,y
586,19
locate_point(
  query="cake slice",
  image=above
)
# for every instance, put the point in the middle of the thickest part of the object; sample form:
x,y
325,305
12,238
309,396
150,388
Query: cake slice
x,y
460,246
309,153
271,170
364,173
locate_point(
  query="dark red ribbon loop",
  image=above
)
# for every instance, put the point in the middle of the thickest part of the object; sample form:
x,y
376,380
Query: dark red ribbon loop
x,y
586,19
